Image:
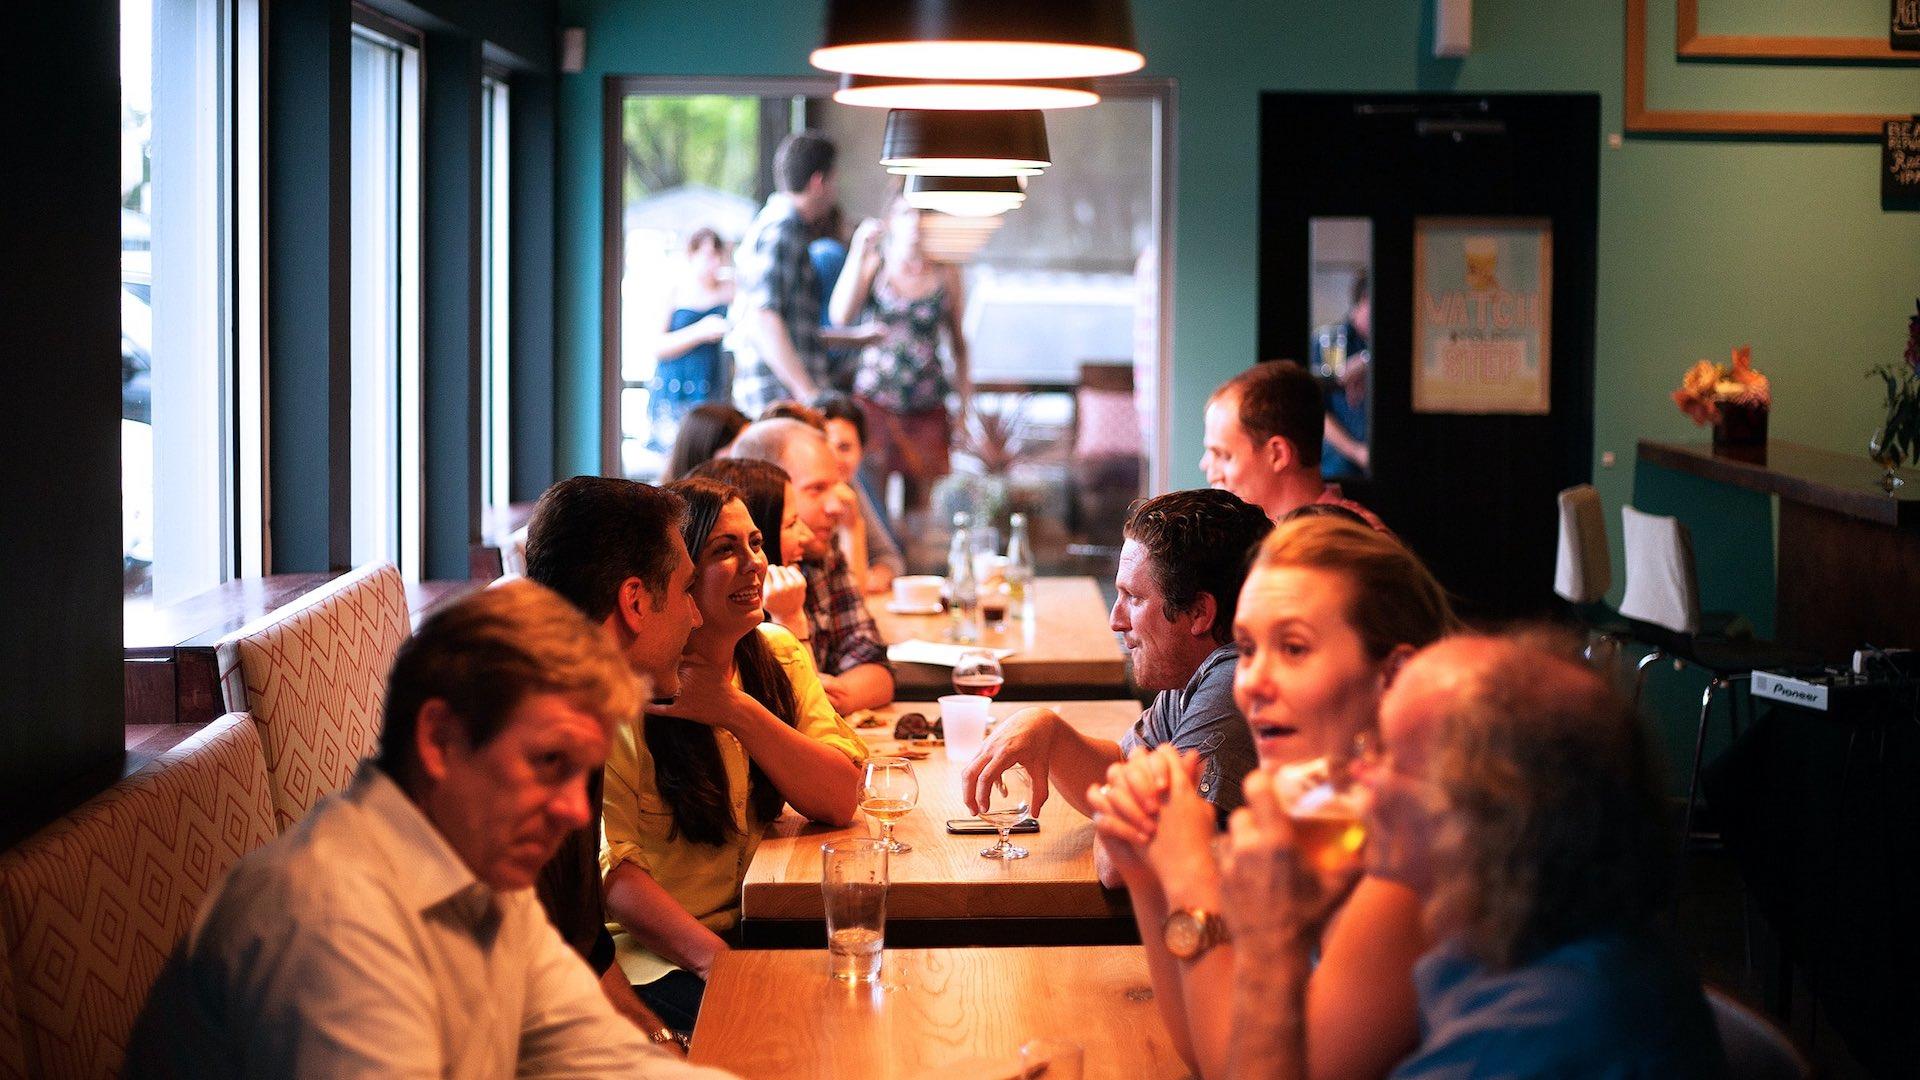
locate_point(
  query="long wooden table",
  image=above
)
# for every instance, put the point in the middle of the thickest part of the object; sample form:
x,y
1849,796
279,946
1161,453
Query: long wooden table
x,y
943,880
935,1013
1064,648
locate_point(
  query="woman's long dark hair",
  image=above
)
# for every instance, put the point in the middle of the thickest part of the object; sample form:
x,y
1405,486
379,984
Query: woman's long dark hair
x,y
686,756
703,431
763,487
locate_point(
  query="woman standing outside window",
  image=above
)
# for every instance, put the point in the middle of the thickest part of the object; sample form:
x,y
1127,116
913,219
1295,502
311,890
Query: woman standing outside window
x,y
688,349
901,381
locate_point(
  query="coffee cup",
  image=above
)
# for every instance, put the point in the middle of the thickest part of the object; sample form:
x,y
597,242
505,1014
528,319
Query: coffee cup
x,y
917,591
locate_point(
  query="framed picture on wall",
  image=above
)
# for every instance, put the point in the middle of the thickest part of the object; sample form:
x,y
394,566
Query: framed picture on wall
x,y
1482,304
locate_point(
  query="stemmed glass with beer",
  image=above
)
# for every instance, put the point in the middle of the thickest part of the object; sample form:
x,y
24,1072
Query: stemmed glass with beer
x,y
888,792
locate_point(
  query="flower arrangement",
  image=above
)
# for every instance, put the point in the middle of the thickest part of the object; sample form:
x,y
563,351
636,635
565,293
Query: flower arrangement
x,y
1898,439
1710,388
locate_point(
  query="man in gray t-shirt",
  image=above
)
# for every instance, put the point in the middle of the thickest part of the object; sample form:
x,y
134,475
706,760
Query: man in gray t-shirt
x,y
1178,582
1202,717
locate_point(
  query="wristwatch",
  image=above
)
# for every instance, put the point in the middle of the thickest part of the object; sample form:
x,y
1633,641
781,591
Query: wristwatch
x,y
1190,932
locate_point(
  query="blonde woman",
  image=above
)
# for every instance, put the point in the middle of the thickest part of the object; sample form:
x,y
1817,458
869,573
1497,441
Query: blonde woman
x,y
1327,615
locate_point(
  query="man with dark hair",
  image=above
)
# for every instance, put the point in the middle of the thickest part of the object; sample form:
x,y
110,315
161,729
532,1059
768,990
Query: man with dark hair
x,y
393,930
1521,796
1181,567
780,343
846,644
1263,441
614,550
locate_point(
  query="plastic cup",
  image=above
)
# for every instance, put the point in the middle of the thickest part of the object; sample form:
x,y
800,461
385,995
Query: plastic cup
x,y
853,888
964,719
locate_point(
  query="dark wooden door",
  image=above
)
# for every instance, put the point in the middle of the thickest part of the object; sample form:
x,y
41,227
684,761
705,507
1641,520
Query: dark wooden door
x,y
1473,494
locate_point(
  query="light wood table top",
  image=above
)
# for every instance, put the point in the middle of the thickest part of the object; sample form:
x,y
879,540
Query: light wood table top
x,y
1062,641
936,1013
944,877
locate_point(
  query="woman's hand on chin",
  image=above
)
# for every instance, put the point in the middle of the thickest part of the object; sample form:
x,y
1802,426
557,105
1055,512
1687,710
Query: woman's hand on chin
x,y
707,695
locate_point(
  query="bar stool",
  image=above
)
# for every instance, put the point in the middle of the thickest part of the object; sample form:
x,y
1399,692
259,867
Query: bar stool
x,y
1583,572
1662,604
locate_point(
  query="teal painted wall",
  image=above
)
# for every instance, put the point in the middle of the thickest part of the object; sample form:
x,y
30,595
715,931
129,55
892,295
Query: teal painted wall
x,y
1705,243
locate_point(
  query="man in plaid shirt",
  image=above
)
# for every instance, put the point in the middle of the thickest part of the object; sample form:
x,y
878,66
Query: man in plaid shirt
x,y
780,346
846,644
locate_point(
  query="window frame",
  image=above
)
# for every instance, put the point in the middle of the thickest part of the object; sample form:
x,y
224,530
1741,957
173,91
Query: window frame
x,y
407,505
496,246
237,295
617,88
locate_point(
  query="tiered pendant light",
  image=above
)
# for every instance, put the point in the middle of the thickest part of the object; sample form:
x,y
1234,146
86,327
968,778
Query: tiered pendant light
x,y
1011,142
949,238
979,39
875,91
966,196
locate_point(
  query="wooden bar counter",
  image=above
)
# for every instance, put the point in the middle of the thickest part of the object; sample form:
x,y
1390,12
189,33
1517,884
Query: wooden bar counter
x,y
944,879
936,1013
1063,649
1849,552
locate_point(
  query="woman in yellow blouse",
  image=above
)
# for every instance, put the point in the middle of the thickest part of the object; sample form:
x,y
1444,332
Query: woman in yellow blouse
x,y
691,787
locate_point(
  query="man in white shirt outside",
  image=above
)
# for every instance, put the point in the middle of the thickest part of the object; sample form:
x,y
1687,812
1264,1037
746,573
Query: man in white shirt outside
x,y
394,931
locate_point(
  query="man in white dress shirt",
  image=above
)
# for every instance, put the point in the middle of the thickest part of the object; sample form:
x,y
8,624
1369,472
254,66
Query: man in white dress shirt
x,y
393,931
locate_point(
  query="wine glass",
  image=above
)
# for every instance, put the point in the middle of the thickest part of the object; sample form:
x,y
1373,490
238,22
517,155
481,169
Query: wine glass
x,y
1007,804
978,671
888,792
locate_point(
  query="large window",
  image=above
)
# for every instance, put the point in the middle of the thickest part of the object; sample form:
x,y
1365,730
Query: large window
x,y
184,65
385,446
495,419
1063,297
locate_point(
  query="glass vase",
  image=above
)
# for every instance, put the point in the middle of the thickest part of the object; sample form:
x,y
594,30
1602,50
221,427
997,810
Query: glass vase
x,y
1884,449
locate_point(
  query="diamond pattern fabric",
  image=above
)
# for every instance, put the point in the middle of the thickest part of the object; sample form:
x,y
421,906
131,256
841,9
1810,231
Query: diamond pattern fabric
x,y
313,675
95,902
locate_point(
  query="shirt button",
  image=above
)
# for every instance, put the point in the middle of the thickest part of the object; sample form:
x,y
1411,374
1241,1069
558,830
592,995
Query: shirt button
x,y
1204,788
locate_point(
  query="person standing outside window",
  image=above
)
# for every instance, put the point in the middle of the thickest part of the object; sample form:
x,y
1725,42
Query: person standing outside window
x,y
782,348
901,381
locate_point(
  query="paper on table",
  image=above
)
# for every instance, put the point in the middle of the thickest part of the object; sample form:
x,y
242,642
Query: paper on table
x,y
915,651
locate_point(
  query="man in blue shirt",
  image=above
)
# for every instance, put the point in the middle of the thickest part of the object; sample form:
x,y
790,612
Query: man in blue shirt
x,y
1520,795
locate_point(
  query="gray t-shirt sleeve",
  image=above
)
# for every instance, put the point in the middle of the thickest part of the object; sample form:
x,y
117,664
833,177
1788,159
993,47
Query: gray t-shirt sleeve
x,y
1203,718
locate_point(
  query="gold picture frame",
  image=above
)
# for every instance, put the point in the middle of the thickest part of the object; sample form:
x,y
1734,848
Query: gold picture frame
x,y
1640,119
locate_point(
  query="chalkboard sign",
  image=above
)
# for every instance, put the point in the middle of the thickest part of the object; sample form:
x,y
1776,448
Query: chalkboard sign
x,y
1905,30
1900,160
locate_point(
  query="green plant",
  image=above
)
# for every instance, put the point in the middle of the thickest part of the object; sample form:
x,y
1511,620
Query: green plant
x,y
1898,440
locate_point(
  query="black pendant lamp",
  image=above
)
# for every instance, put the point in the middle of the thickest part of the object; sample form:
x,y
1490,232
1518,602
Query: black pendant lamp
x,y
880,92
948,142
979,39
966,196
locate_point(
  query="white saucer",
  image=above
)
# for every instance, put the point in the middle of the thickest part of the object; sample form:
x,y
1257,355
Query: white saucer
x,y
898,608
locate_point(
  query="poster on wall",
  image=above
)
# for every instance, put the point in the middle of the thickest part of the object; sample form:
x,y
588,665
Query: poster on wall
x,y
1482,298
1904,28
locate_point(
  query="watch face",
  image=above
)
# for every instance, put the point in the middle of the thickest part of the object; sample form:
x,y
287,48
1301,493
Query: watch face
x,y
1182,934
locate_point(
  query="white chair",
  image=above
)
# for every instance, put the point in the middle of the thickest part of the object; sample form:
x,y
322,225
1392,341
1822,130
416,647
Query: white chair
x,y
1583,571
1755,1048
513,556
1662,604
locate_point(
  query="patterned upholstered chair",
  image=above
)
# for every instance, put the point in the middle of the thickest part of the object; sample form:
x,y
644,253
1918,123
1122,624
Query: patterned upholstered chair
x,y
312,675
13,1053
91,906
